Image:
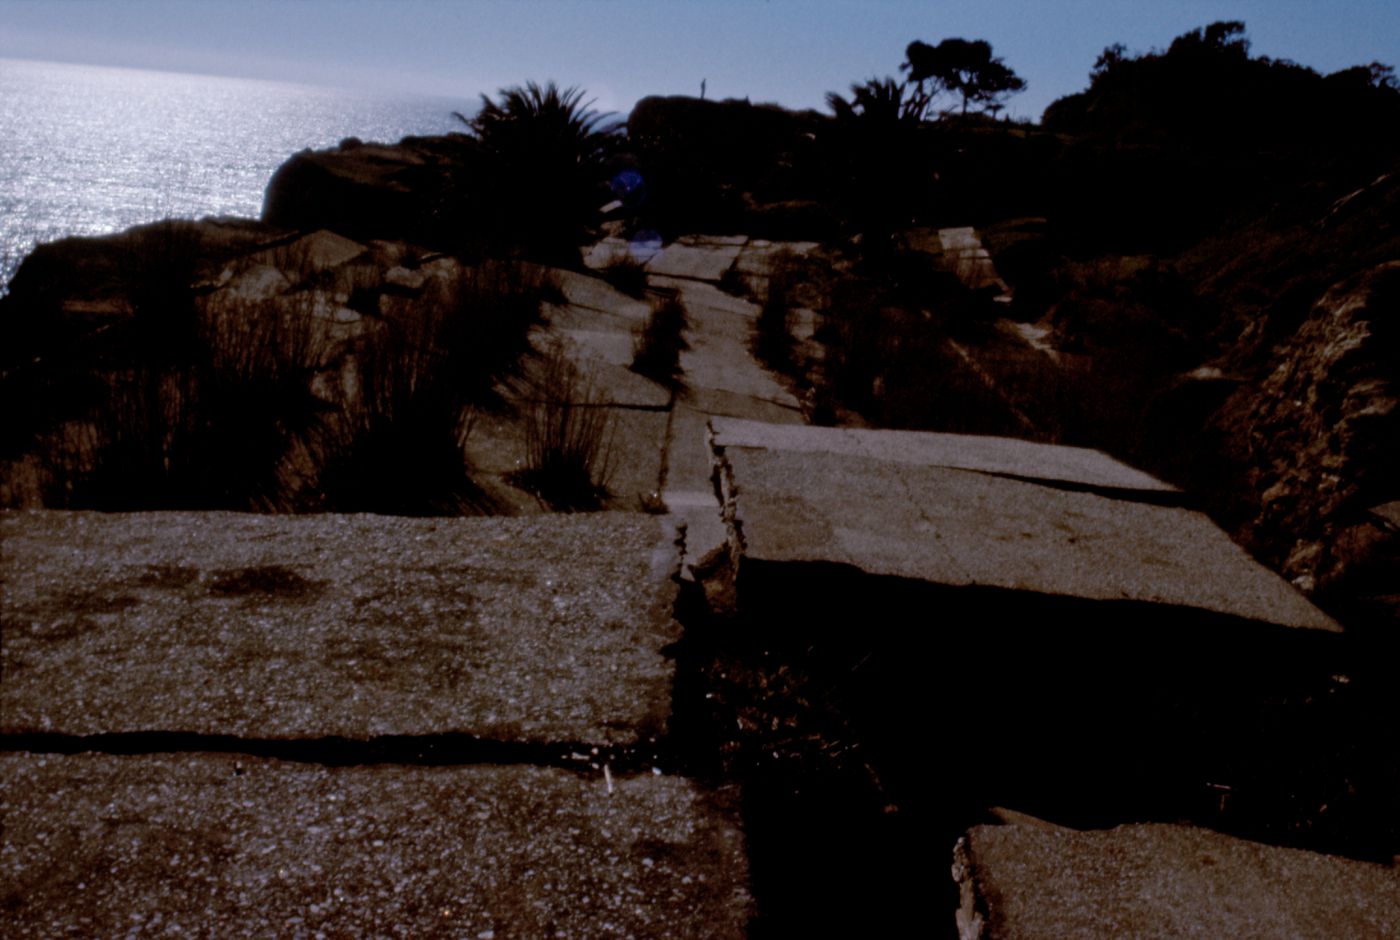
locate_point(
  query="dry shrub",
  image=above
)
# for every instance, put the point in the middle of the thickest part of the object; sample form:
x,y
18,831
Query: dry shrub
x,y
626,274
658,343
211,403
568,436
200,420
732,281
772,342
418,380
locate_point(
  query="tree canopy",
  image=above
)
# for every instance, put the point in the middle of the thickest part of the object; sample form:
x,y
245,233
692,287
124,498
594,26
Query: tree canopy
x,y
962,68
1206,87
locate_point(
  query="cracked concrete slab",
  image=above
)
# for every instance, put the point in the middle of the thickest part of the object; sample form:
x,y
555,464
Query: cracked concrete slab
x,y
606,251
738,312
788,500
963,238
689,492
720,241
720,373
101,845
1003,456
1033,882
755,261
638,442
596,294
601,341
697,261
721,402
534,629
573,317
964,255
604,360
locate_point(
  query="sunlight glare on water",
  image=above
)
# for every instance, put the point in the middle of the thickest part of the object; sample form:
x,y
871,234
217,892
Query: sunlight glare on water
x,y
86,150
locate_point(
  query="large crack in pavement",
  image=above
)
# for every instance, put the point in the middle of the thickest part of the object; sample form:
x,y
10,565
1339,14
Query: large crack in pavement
x,y
434,750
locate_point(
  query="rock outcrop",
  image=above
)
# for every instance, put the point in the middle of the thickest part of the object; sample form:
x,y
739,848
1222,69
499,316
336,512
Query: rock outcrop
x,y
1319,439
405,191
140,356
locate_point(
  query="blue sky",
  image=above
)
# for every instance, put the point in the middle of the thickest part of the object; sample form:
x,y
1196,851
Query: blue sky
x,y
789,51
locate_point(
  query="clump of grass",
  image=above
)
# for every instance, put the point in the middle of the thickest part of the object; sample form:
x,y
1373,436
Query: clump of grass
x,y
364,292
732,281
202,420
657,344
221,401
568,437
418,381
772,342
196,398
627,274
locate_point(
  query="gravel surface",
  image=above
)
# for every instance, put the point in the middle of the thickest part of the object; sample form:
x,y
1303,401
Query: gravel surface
x,y
537,629
214,846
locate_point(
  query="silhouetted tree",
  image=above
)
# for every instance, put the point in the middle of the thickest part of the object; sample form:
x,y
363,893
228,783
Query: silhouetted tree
x,y
1374,77
1169,142
1224,38
1111,58
884,173
878,101
546,154
961,67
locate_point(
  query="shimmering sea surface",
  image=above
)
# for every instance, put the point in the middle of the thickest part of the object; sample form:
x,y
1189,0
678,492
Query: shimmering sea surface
x,y
86,150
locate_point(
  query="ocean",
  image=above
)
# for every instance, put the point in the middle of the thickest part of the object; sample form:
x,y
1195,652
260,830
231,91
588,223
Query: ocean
x,y
86,150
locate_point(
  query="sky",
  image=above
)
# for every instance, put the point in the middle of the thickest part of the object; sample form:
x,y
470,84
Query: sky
x,y
789,51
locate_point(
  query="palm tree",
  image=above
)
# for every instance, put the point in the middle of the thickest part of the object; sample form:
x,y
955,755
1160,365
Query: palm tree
x,y
877,102
877,150
545,154
547,116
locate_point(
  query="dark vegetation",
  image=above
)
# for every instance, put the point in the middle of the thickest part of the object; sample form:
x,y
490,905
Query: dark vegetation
x,y
658,343
421,375
772,341
877,163
962,69
712,165
176,398
830,730
628,275
1163,147
568,437
546,154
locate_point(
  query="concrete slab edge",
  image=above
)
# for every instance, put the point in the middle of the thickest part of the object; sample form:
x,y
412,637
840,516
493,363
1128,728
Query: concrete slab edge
x,y
717,571
972,913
